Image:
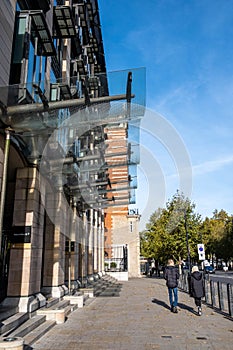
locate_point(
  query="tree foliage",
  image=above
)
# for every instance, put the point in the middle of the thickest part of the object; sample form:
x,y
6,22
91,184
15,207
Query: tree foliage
x,y
218,235
176,229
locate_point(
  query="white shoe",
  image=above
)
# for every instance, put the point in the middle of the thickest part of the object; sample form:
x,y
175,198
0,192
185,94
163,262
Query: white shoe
x,y
199,311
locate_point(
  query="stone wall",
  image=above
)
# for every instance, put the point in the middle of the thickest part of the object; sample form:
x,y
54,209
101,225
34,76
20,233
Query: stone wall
x,y
125,231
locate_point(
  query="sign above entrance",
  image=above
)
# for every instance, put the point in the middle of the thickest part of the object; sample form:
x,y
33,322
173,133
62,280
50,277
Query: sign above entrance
x,y
21,234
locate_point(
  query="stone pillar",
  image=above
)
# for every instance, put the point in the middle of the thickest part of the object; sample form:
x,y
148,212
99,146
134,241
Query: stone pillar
x,y
54,250
72,251
27,241
125,231
100,233
83,247
95,241
90,243
133,245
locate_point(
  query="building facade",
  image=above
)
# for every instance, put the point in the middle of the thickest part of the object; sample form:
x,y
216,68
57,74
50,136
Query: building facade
x,y
56,113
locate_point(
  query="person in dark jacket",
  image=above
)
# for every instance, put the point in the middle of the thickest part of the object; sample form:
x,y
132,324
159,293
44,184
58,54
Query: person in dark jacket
x,y
197,290
171,275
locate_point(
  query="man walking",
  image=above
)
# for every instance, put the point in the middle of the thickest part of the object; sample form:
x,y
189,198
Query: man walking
x,y
171,275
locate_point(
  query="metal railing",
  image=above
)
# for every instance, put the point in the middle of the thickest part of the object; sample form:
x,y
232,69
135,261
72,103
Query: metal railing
x,y
218,295
118,260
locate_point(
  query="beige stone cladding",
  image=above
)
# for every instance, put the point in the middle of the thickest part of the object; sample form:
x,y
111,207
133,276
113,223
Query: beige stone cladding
x,y
125,231
57,230
27,271
26,258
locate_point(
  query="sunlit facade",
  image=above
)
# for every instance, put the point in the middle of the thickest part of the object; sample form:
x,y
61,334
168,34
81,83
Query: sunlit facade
x,y
57,113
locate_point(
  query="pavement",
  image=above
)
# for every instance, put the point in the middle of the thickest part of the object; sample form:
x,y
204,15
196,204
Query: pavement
x,y
140,319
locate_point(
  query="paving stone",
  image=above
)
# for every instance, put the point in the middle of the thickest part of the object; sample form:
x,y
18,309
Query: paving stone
x,y
140,319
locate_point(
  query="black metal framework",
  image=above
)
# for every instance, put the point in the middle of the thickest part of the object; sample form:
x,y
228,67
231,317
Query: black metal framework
x,y
64,25
44,5
218,295
40,30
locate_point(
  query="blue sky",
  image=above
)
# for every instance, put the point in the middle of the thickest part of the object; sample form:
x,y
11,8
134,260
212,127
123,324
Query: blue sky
x,y
186,47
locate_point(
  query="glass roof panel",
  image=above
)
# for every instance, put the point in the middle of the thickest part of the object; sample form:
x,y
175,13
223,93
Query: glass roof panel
x,y
34,120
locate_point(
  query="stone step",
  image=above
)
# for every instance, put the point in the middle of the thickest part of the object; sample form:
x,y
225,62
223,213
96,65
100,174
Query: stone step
x,y
58,305
109,278
110,293
27,326
111,289
70,308
50,302
31,329
37,333
88,301
13,322
106,284
58,312
6,312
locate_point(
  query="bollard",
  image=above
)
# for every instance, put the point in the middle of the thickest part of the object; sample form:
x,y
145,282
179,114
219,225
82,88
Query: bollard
x,y
11,343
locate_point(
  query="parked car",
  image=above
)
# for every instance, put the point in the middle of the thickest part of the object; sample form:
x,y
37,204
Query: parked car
x,y
209,269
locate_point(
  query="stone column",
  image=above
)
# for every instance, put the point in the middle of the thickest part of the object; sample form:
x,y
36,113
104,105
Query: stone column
x,y
90,242
24,279
101,242
83,247
95,241
133,242
72,251
54,250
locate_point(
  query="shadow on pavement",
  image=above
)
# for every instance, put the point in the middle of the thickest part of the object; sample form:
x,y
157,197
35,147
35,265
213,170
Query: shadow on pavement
x,y
161,303
180,305
186,307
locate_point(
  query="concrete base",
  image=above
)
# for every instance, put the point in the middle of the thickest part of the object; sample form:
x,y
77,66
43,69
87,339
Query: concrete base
x,y
87,291
55,292
57,315
41,299
118,275
24,304
90,279
75,300
96,277
11,343
65,288
33,305
74,285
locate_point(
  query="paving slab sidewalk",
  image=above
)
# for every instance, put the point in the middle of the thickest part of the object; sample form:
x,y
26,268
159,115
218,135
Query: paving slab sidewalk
x,y
140,319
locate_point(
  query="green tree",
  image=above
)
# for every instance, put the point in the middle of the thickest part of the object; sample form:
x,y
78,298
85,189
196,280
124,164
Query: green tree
x,y
168,229
225,242
213,231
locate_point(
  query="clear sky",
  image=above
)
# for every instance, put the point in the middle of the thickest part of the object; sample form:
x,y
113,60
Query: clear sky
x,y
186,47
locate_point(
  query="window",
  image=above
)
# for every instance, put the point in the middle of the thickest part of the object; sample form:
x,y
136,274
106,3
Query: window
x,y
131,226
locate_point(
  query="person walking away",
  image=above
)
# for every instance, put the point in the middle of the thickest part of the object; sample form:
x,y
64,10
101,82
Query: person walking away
x,y
171,275
197,289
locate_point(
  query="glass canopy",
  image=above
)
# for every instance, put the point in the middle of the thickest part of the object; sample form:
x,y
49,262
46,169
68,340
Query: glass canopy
x,y
66,138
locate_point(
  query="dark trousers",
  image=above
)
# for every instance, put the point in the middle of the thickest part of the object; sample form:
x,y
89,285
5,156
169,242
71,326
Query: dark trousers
x,y
197,301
